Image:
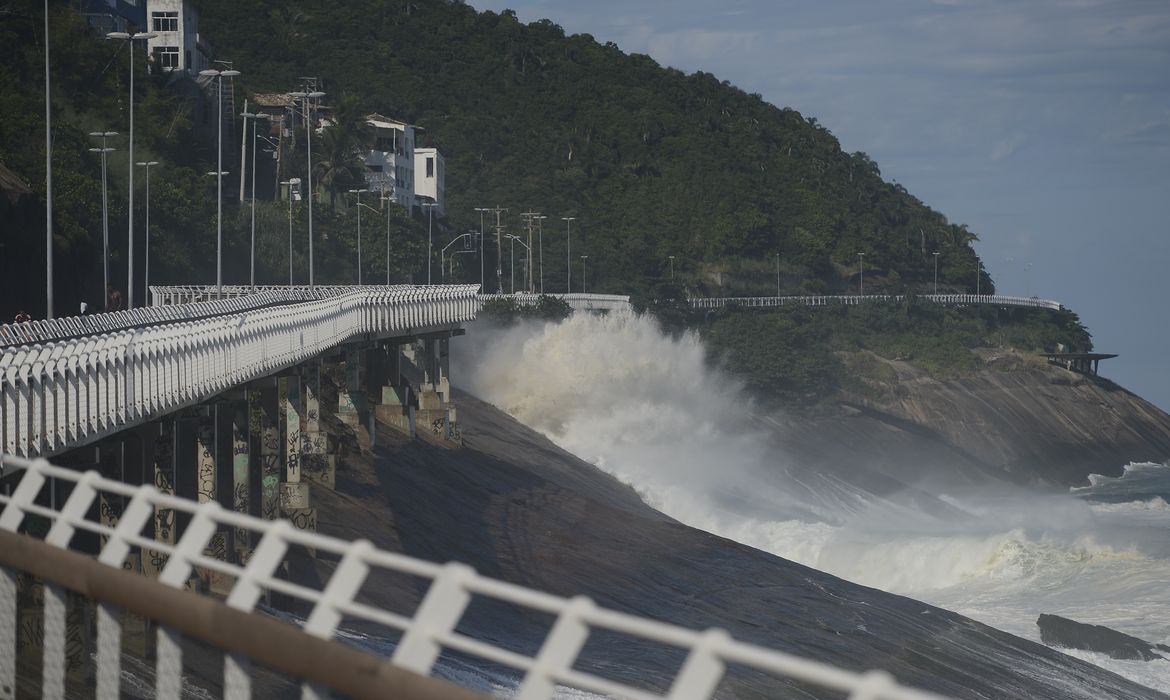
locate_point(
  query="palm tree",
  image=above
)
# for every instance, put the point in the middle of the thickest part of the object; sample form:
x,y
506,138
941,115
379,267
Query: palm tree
x,y
343,146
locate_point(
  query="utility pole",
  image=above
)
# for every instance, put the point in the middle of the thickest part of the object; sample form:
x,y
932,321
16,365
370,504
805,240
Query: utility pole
x,y
529,218
499,250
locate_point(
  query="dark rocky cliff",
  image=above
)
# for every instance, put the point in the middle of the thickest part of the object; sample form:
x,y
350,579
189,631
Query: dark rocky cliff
x,y
1039,424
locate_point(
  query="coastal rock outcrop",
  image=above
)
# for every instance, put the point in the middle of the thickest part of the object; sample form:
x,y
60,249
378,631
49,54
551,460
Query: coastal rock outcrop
x,y
1060,631
1041,424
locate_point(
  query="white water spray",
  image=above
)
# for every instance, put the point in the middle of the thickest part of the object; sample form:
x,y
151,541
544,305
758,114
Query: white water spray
x,y
646,408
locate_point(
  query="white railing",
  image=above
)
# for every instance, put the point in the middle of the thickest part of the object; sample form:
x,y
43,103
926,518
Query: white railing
x,y
61,394
830,300
576,301
95,324
194,293
425,633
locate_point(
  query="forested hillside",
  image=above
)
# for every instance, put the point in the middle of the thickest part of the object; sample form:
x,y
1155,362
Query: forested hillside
x,y
653,162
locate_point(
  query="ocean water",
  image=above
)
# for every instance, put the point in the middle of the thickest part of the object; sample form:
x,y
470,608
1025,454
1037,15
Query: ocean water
x,y
646,408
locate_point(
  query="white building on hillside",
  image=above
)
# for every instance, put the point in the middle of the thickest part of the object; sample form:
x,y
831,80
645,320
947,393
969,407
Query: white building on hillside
x,y
429,178
178,46
390,165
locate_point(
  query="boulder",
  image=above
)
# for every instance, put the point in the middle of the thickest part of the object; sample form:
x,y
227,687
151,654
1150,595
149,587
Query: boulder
x,y
1062,632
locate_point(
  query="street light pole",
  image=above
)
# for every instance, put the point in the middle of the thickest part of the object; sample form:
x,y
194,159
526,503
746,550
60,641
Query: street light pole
x,y
103,135
252,256
219,75
583,259
540,247
512,262
777,275
146,286
359,231
130,39
481,211
289,183
430,217
305,97
386,200
935,272
49,180
861,258
671,257
568,253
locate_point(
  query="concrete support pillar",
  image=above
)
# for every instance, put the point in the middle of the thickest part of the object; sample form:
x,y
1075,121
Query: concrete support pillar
x,y
311,384
109,458
396,407
295,503
435,410
317,466
443,367
205,460
271,449
241,484
289,388
164,481
349,401
207,491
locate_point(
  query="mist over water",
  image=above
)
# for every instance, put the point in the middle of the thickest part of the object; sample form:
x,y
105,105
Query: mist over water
x,y
646,408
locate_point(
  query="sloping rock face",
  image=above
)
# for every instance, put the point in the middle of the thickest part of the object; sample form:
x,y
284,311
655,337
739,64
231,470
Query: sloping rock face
x,y
1042,425
1062,632
518,508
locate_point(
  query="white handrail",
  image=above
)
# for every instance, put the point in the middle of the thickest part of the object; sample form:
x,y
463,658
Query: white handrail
x,y
425,633
57,395
847,299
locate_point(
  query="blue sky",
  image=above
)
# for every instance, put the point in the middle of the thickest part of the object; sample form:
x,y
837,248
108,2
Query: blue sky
x,y
1042,124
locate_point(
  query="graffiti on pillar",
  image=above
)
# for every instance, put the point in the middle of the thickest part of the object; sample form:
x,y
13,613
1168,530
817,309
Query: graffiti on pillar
x,y
314,444
437,426
76,623
270,441
304,518
164,481
270,496
241,464
205,469
216,549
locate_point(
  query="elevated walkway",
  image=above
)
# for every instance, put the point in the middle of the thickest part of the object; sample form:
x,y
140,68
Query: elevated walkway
x,y
70,382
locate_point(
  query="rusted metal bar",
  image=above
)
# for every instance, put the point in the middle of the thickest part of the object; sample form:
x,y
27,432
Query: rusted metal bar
x,y
271,642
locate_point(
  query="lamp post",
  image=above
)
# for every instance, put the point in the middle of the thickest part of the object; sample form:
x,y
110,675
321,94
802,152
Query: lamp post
x,y
305,98
481,211
219,172
386,201
443,255
568,253
935,272
671,258
777,275
146,286
289,183
540,248
218,175
48,180
130,39
430,206
252,255
103,135
512,261
583,259
359,231
861,259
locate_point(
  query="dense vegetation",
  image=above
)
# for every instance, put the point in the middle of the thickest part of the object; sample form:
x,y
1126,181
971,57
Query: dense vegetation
x,y
806,355
651,161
